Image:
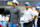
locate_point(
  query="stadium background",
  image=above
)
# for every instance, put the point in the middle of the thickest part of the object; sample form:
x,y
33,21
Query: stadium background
x,y
4,3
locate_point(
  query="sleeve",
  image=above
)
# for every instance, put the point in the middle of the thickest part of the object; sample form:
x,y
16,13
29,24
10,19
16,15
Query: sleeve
x,y
5,13
18,15
9,18
34,13
6,10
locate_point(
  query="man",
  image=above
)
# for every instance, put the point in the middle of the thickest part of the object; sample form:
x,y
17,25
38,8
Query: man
x,y
35,21
2,19
38,9
14,15
28,15
39,20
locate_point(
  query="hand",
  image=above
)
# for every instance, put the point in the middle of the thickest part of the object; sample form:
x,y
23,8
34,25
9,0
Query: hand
x,y
17,25
8,23
30,20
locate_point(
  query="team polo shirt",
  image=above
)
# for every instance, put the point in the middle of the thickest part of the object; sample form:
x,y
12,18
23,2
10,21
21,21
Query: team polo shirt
x,y
28,14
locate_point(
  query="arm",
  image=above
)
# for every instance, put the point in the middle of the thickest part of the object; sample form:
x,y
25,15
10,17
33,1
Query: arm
x,y
30,20
34,17
18,16
5,15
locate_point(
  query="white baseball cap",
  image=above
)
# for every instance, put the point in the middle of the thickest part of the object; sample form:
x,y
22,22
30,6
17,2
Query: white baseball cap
x,y
14,1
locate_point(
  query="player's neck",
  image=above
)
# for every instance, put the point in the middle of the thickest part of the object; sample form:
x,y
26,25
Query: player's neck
x,y
27,8
15,6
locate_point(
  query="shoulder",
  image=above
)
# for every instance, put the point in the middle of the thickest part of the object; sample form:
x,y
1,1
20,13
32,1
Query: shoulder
x,y
36,12
18,9
30,10
25,10
10,8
